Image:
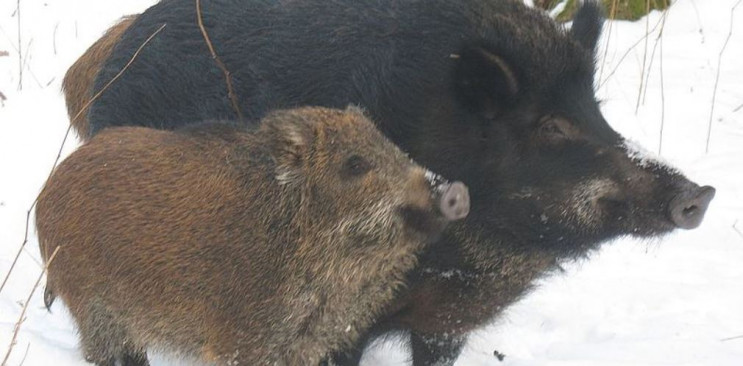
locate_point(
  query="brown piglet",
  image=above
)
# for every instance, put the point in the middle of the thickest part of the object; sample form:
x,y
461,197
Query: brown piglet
x,y
276,244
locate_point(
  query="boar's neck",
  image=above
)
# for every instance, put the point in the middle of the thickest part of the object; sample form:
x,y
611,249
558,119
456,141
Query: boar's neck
x,y
457,267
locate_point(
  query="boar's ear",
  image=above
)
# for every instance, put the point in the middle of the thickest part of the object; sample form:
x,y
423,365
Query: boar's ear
x,y
485,81
292,136
587,24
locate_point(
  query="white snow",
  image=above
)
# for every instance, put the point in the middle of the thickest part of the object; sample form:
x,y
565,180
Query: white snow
x,y
673,301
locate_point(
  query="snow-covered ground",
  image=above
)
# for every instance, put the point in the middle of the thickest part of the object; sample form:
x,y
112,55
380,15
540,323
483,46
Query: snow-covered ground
x,y
676,301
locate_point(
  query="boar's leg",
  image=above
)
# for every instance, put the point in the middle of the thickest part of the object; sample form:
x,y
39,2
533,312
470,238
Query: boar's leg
x,y
347,358
135,358
438,349
352,355
104,341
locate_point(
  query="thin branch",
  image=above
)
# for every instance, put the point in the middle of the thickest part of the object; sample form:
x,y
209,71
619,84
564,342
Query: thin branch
x,y
20,54
54,38
612,15
26,64
735,227
645,54
699,20
738,108
662,102
652,54
64,140
25,354
15,48
220,64
21,318
731,338
717,78
662,82
20,250
624,56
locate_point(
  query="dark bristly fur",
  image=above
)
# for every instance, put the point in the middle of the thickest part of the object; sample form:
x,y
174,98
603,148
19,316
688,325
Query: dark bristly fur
x,y
490,92
270,247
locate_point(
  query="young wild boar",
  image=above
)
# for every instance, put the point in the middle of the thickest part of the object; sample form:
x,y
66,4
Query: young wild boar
x,y
270,247
489,92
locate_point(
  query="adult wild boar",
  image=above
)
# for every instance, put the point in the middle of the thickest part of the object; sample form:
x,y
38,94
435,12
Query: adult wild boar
x,y
271,247
489,92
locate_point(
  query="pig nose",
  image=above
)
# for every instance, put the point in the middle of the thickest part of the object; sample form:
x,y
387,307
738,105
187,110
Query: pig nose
x,y
687,208
454,200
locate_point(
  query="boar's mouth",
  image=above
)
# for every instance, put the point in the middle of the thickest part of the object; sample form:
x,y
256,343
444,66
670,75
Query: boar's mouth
x,y
423,221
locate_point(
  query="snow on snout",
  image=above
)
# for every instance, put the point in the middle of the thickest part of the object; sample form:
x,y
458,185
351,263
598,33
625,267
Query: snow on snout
x,y
645,158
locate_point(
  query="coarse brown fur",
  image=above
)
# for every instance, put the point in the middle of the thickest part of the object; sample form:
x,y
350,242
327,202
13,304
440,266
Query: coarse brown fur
x,y
272,246
79,79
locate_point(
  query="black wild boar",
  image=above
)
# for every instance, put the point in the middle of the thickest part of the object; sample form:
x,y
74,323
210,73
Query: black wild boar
x,y
489,92
270,247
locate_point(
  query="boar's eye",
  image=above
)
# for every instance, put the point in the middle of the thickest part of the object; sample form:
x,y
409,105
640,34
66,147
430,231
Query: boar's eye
x,y
356,166
554,127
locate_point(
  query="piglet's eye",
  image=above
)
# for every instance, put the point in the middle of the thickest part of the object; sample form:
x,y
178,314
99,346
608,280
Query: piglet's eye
x,y
555,127
551,127
356,166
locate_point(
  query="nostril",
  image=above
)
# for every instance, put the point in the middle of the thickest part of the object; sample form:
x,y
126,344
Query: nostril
x,y
690,211
452,202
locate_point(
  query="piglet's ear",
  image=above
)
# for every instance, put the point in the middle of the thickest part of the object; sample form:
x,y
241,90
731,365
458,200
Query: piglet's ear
x,y
292,135
485,81
587,24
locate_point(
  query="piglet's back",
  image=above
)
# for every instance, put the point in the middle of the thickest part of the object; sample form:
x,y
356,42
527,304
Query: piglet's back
x,y
133,219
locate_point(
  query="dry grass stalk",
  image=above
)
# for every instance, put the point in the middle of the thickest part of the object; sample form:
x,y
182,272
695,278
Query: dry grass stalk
x,y
644,54
717,78
21,318
662,99
20,54
220,64
612,14
64,141
626,53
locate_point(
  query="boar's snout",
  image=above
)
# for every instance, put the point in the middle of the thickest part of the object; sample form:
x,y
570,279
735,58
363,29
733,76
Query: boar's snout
x,y
687,208
453,200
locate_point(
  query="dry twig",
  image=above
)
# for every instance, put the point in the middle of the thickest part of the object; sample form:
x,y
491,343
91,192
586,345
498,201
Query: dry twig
x,y
17,327
717,78
25,354
626,53
652,54
645,54
662,82
20,54
27,66
64,140
735,227
54,38
731,338
220,64
699,20
612,14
